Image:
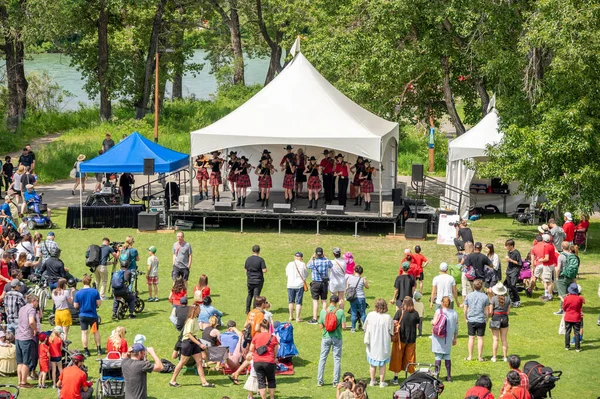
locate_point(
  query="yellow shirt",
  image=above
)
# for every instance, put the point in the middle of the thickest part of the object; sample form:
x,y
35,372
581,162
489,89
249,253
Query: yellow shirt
x,y
191,327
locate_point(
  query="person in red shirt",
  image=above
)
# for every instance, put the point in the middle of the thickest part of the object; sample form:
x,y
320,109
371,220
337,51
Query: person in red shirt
x,y
482,388
514,362
43,359
265,362
4,276
177,292
327,165
569,227
573,308
117,342
73,382
203,287
584,224
341,171
548,262
421,261
55,344
515,391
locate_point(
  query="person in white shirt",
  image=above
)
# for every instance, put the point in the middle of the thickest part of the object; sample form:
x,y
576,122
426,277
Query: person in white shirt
x,y
296,273
443,285
337,276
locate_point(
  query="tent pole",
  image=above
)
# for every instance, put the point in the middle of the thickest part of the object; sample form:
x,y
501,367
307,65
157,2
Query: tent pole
x,y
80,202
380,173
191,181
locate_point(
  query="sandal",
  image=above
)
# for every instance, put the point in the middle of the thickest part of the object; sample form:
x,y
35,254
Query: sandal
x,y
482,360
467,359
234,380
174,385
208,385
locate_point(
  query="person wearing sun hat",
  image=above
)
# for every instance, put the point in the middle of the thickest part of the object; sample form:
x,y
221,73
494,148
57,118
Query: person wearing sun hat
x,y
215,180
327,164
79,177
499,309
573,308
403,286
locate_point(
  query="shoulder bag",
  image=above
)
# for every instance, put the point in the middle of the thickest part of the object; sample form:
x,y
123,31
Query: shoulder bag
x,y
300,274
338,263
261,350
351,291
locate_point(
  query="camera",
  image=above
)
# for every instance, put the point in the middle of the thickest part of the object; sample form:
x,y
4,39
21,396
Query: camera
x,y
454,224
116,246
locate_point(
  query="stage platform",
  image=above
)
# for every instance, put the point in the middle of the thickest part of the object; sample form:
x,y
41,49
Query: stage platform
x,y
204,212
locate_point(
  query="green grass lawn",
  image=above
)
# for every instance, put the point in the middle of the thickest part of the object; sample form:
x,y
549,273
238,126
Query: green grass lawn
x,y
221,253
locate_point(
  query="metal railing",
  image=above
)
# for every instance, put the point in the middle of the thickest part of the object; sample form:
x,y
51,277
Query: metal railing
x,y
437,189
182,178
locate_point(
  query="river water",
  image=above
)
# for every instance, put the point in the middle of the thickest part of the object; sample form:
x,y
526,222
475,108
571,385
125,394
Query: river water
x,y
200,86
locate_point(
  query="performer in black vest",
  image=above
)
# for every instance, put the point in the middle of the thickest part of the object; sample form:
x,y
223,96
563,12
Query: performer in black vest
x,y
289,181
314,182
215,175
357,168
342,171
243,180
265,183
233,164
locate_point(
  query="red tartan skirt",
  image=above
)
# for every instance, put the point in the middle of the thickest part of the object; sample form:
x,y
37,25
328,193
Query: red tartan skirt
x,y
356,181
289,181
232,177
202,175
265,182
314,183
367,186
215,179
243,181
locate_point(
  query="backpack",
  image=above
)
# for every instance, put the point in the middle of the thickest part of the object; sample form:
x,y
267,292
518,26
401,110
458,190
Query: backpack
x,y
118,280
168,367
92,256
572,267
455,272
439,328
124,259
331,321
469,272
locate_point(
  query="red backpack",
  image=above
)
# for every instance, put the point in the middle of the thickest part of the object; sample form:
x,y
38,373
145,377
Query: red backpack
x,y
331,321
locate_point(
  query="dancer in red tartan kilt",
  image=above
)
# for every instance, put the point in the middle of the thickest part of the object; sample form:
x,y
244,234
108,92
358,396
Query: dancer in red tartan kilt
x,y
314,182
202,176
243,180
366,185
356,169
215,175
264,172
232,176
288,165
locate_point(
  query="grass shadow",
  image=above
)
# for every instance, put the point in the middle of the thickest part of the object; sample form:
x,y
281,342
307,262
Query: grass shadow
x,y
528,357
464,377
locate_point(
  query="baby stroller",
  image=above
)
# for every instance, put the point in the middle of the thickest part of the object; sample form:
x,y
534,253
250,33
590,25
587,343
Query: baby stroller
x,y
541,379
423,379
7,393
36,214
111,383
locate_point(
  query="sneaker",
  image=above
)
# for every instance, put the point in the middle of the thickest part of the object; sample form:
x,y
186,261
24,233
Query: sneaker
x,y
394,381
517,304
505,359
132,316
312,321
115,317
577,350
372,383
353,330
559,313
567,348
155,299
493,360
449,379
383,384
100,351
86,352
150,299
320,384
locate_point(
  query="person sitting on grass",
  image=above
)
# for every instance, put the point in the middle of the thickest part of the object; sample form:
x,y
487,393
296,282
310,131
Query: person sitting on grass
x,y
482,389
202,286
178,291
206,312
515,391
514,362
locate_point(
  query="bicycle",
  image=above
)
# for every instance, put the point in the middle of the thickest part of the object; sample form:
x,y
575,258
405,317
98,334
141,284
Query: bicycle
x,y
123,306
41,289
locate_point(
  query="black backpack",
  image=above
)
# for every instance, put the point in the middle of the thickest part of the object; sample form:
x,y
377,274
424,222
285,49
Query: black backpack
x,y
92,256
168,367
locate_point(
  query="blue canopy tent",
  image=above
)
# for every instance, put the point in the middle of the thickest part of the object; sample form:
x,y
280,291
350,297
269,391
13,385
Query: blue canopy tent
x,y
128,157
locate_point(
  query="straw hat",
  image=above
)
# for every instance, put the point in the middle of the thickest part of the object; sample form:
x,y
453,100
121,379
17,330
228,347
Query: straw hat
x,y
499,289
81,157
21,169
543,228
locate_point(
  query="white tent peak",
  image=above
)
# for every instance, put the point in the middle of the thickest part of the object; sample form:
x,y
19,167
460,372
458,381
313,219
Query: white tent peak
x,y
473,143
299,107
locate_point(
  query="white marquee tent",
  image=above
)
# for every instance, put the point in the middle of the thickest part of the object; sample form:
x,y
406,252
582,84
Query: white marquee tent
x,y
469,146
300,107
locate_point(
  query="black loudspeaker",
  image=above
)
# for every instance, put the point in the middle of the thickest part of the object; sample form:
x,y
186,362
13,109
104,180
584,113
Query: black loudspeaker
x,y
282,208
224,206
334,210
417,172
148,221
415,228
148,166
397,196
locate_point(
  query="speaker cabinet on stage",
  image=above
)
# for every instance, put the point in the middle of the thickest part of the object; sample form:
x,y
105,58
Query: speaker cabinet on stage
x,y
415,228
334,210
417,172
148,166
224,206
148,221
282,208
397,194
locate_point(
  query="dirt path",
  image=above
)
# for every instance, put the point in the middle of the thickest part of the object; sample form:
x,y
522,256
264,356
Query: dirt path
x,y
36,144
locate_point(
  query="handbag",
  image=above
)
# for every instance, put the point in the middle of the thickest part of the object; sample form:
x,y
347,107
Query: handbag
x,y
562,329
217,353
303,280
351,292
495,323
261,350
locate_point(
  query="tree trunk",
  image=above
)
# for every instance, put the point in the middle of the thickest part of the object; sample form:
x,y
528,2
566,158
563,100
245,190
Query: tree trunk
x,y
179,59
177,93
144,96
105,105
449,98
236,44
274,65
483,95
17,83
275,61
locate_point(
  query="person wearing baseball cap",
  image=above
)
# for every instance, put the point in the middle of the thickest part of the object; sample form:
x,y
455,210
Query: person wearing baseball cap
x,y
331,341
49,247
568,227
296,273
403,286
320,267
152,275
443,285
136,368
337,277
72,382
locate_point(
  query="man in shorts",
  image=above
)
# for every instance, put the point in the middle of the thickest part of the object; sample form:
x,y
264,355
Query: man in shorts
x,y
320,267
28,326
296,273
87,300
548,261
476,315
182,258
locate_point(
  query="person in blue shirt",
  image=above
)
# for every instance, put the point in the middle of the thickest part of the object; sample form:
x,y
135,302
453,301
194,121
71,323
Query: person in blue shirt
x,y
5,211
87,300
207,310
131,251
30,198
